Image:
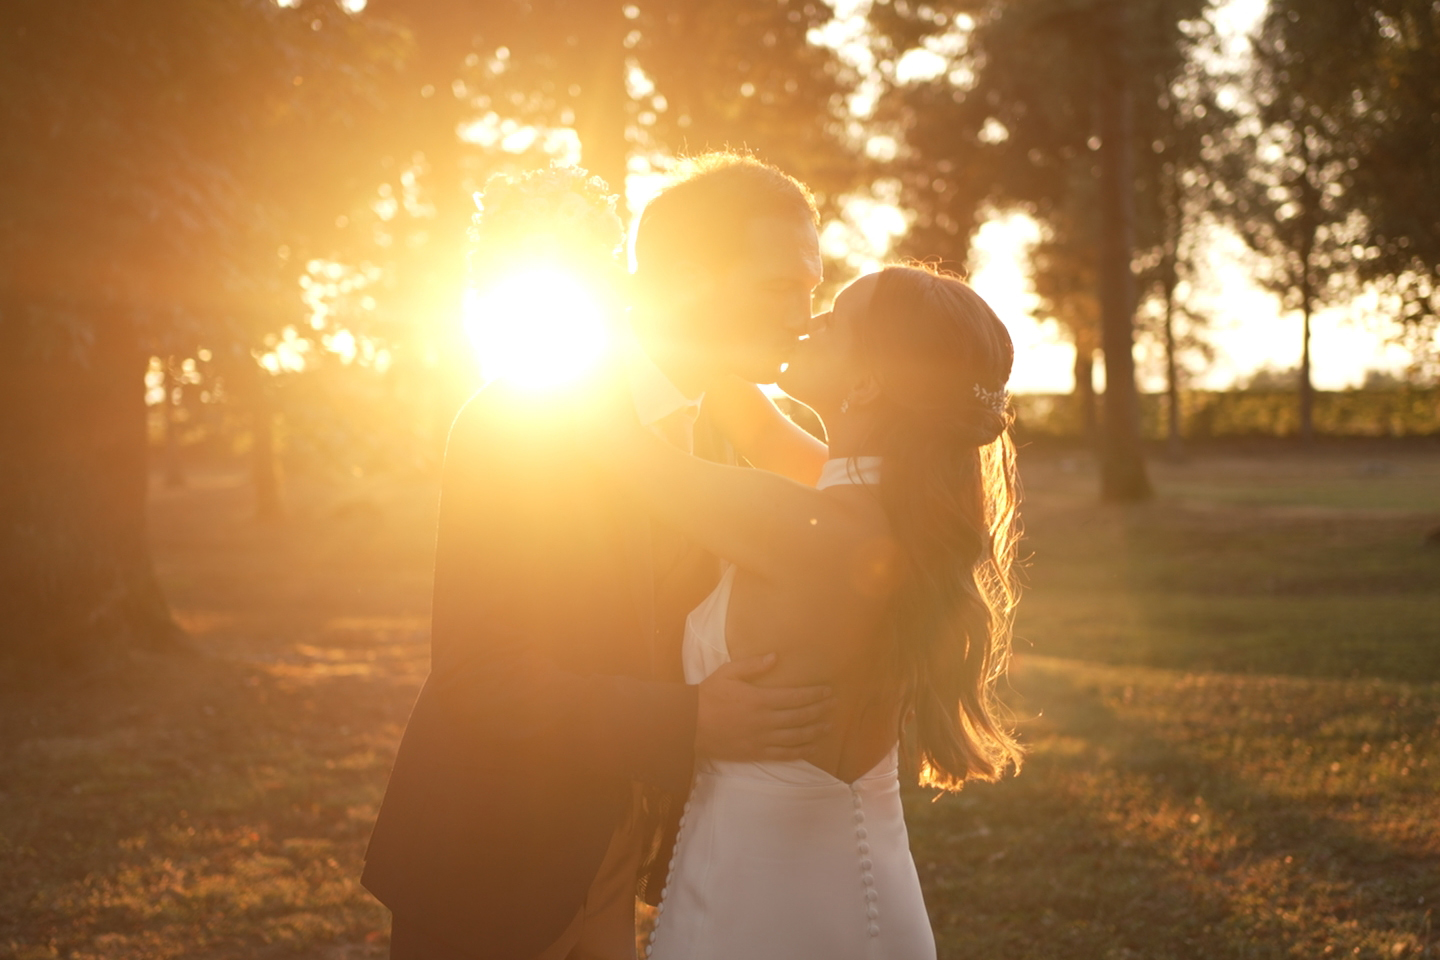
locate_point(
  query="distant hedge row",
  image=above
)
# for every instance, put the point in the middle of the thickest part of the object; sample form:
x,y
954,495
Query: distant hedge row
x,y
1246,413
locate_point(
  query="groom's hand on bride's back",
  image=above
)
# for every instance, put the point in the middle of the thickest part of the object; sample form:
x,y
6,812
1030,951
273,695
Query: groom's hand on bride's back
x,y
741,721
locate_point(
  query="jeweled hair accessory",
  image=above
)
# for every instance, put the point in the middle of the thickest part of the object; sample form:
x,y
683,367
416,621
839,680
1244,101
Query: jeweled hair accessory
x,y
993,399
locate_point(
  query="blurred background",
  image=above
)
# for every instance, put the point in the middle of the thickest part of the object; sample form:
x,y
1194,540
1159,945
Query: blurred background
x,y
232,268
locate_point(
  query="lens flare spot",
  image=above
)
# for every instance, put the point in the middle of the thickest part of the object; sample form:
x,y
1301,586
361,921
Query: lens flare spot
x,y
539,328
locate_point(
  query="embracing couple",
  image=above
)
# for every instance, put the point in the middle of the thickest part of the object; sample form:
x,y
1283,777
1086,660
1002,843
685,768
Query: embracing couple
x,y
659,674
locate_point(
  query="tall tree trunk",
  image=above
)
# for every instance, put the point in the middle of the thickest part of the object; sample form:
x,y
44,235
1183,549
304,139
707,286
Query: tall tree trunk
x,y
1306,385
77,584
1310,210
1174,443
601,118
264,459
248,382
1085,390
1123,476
1173,211
170,419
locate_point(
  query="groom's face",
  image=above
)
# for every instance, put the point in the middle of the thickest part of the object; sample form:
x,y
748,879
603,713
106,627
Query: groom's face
x,y
759,303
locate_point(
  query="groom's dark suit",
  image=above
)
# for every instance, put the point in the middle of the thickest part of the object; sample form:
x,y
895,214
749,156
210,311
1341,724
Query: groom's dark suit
x,y
555,685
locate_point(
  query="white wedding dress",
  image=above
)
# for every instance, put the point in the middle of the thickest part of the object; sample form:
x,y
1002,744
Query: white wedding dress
x,y
779,860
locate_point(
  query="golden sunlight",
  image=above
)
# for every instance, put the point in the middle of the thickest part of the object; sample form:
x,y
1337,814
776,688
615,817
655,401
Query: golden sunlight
x,y
539,328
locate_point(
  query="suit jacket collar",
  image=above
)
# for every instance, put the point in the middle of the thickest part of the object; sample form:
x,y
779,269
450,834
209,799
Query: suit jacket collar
x,y
640,561
654,394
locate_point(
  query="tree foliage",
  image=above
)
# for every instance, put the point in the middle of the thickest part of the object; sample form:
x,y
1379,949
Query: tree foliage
x,y
1288,190
1082,113
746,75
1012,120
174,171
156,156
1364,76
666,76
1396,188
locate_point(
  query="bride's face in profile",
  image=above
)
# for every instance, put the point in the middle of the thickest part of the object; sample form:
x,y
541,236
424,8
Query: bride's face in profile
x,y
826,366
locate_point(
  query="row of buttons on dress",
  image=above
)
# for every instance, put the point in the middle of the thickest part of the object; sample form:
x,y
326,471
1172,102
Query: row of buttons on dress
x,y
670,868
867,878
862,838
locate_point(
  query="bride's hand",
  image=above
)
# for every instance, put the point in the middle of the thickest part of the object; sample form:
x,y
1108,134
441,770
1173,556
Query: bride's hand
x,y
761,433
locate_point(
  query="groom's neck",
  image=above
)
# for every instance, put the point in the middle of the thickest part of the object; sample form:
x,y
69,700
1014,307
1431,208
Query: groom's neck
x,y
677,358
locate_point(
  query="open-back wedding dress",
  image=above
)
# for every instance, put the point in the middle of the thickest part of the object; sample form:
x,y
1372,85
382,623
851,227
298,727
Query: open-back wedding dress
x,y
779,860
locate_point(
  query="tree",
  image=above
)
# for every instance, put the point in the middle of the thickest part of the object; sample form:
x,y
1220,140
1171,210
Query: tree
x,y
668,76
1122,465
146,182
524,83
1063,272
1369,70
1172,263
1185,157
1395,187
657,76
745,74
1288,188
1049,106
173,170
1343,160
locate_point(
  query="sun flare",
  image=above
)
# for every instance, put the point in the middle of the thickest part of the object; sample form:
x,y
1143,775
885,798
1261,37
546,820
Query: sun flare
x,y
539,328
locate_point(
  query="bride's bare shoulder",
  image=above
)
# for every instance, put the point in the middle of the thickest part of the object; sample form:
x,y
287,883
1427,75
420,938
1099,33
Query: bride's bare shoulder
x,y
857,559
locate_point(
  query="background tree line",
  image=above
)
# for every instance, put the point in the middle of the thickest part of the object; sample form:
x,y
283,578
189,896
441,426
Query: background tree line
x,y
271,200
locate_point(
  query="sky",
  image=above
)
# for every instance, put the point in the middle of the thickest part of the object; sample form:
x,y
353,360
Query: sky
x,y
1246,326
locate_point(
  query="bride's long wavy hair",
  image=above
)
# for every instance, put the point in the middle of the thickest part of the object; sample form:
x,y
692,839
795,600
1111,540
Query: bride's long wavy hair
x,y
942,359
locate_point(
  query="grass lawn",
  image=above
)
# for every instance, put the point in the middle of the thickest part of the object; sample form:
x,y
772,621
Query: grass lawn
x,y
1231,695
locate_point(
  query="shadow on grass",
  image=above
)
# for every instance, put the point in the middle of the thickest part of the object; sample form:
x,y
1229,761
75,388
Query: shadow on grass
x,y
219,807
1236,590
198,808
1172,826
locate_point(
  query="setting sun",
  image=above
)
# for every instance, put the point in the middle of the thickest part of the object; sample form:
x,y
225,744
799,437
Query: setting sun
x,y
538,328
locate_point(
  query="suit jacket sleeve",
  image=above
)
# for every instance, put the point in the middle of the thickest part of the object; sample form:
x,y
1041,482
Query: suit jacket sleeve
x,y
516,537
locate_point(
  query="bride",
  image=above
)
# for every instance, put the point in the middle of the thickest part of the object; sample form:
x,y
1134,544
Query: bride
x,y
882,568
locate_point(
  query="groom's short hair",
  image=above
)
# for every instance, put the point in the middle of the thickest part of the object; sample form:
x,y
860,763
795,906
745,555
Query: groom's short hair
x,y
702,213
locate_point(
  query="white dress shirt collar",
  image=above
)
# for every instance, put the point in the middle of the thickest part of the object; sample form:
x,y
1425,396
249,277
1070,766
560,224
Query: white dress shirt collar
x,y
654,394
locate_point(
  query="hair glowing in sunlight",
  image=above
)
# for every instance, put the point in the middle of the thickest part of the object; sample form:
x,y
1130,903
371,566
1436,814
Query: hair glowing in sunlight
x,y
538,328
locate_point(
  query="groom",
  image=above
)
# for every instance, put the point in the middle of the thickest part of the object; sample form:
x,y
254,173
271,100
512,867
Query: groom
x,y
539,781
